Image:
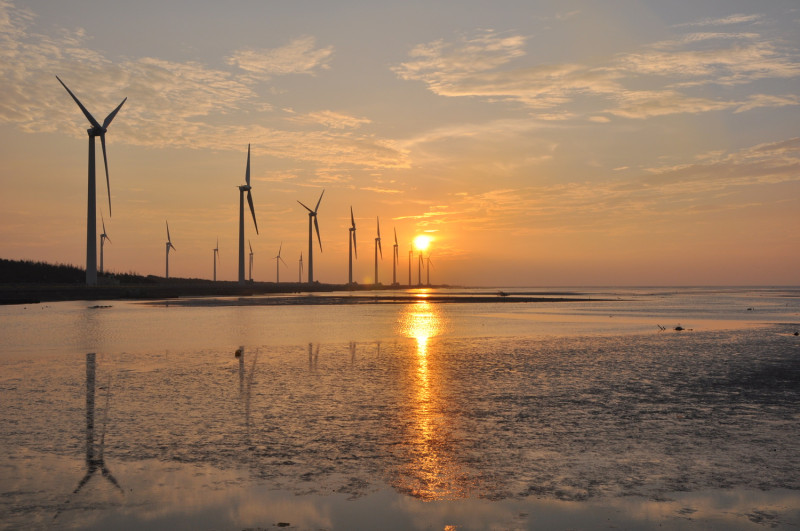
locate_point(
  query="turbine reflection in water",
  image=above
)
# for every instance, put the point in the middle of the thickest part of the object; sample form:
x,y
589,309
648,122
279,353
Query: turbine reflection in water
x,y
430,470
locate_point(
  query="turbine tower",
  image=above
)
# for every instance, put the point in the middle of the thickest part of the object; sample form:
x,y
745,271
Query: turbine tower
x,y
395,258
352,246
410,256
278,261
312,217
103,237
250,270
378,248
300,276
169,244
216,259
91,207
242,189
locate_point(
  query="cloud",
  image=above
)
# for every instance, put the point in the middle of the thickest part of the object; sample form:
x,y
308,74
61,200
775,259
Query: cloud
x,y
298,57
172,104
331,119
665,77
723,21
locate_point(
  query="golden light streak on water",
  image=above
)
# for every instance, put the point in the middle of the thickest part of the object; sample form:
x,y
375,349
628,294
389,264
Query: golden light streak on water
x,y
431,471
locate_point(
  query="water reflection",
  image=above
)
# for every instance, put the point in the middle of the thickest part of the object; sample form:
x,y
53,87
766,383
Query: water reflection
x,y
95,459
430,470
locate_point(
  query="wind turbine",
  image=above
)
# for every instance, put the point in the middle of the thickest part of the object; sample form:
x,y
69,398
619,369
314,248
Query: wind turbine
x,y
278,261
312,215
300,276
395,258
242,189
378,248
216,259
251,261
169,244
352,245
410,256
103,237
91,207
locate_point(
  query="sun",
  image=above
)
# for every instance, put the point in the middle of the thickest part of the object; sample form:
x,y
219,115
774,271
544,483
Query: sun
x,y
422,242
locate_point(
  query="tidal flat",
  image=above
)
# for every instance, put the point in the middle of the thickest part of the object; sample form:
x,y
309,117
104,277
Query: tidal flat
x,y
587,413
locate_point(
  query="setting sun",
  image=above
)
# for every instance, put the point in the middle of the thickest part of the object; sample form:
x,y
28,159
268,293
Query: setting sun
x,y
422,242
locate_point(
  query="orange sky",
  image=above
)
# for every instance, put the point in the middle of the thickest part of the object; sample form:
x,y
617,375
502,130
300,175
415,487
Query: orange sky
x,y
566,143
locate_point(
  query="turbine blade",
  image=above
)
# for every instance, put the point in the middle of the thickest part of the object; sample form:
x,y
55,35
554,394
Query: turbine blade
x,y
85,112
247,172
173,247
252,209
284,261
105,162
168,238
355,249
319,201
111,116
379,248
352,219
395,236
379,227
251,246
316,226
306,207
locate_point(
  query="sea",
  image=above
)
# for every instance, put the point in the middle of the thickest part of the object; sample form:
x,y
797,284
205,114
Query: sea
x,y
450,409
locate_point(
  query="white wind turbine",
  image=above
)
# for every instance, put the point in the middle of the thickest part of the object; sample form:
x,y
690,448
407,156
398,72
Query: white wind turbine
x,y
278,261
216,259
395,258
103,237
242,189
251,261
377,249
352,245
91,210
312,218
169,245
300,276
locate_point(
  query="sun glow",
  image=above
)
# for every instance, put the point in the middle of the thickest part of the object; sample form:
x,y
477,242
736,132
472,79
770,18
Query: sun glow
x,y
422,242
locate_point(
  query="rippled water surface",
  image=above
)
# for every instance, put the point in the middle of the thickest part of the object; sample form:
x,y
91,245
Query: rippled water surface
x,y
233,414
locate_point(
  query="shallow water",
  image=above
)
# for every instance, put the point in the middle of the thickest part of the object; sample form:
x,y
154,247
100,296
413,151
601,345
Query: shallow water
x,y
500,415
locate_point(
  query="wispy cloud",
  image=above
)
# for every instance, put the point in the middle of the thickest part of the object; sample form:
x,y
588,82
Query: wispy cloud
x,y
301,56
665,77
174,104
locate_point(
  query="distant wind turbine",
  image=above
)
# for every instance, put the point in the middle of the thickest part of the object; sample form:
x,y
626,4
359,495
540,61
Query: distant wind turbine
x,y
242,189
419,269
352,245
395,258
377,249
251,261
216,259
300,277
91,209
278,261
410,256
312,217
103,237
428,270
169,245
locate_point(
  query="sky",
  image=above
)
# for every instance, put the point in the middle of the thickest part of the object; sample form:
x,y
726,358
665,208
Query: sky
x,y
548,143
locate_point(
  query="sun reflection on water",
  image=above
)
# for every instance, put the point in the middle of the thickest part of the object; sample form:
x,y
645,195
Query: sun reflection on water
x,y
430,470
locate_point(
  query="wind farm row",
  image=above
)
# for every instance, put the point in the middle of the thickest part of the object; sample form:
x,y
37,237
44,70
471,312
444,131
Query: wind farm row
x,y
245,190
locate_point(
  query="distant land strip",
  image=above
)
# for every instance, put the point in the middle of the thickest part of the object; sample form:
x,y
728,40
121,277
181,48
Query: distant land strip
x,y
29,282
